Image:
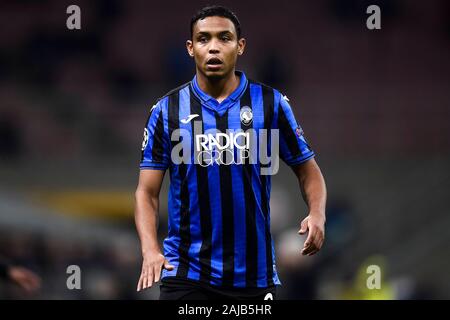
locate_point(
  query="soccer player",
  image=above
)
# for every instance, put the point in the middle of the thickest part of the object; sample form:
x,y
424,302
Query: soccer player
x,y
209,133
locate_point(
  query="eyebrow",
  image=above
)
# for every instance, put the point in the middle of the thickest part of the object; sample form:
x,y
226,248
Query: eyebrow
x,y
206,33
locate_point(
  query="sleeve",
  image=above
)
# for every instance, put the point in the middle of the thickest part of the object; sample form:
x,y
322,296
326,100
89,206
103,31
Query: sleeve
x,y
155,144
294,149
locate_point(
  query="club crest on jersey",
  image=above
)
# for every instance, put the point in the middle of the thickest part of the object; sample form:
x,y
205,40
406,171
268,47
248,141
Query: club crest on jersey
x,y
145,141
246,115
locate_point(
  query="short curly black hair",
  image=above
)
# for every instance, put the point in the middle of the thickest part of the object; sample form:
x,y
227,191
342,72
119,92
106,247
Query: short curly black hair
x,y
217,11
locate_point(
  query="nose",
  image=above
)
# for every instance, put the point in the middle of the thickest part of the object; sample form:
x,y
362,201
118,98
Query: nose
x,y
214,47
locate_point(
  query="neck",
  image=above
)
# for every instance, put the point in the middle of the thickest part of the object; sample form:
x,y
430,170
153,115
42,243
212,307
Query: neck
x,y
218,88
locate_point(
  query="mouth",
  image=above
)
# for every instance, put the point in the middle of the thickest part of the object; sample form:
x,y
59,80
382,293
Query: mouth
x,y
214,63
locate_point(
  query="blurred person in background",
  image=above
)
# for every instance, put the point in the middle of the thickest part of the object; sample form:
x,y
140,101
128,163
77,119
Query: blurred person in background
x,y
219,244
23,277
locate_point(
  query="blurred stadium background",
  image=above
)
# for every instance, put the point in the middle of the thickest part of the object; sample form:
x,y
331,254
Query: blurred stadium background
x,y
374,106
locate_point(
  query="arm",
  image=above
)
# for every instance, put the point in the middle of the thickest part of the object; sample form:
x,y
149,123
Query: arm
x,y
25,278
146,218
313,189
21,276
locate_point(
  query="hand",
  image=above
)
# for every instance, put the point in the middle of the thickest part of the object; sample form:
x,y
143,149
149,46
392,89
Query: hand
x,y
151,269
315,224
25,278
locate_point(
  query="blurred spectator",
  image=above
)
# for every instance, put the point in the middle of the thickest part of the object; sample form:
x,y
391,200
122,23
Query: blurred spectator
x,y
11,143
21,276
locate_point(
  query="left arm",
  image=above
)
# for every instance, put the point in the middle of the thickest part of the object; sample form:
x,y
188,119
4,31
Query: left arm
x,y
313,189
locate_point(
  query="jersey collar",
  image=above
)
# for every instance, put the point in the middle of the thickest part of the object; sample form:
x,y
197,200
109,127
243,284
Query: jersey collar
x,y
212,103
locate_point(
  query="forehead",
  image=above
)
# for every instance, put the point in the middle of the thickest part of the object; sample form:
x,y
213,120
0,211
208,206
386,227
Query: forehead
x,y
214,25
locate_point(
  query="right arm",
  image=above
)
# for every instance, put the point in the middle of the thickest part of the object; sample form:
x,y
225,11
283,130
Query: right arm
x,y
146,218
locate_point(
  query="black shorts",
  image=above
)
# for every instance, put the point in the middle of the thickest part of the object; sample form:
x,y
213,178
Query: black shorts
x,y
172,288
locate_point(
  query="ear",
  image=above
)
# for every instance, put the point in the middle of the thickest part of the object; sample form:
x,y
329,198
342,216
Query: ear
x,y
241,46
190,48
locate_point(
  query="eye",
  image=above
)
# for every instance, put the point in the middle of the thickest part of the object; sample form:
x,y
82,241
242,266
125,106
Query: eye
x,y
226,38
202,39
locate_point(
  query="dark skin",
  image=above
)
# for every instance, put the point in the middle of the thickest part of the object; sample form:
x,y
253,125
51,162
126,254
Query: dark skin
x,y
147,219
215,48
215,38
313,189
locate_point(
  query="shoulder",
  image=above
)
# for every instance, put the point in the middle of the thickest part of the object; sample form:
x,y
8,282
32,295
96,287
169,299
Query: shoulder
x,y
160,103
266,88
280,99
173,92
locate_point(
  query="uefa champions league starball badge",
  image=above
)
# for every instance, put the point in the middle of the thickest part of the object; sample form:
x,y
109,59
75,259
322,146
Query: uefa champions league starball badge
x,y
246,115
145,141
299,131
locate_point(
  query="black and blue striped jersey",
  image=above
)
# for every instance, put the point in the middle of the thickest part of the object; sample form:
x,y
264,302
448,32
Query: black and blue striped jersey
x,y
221,157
